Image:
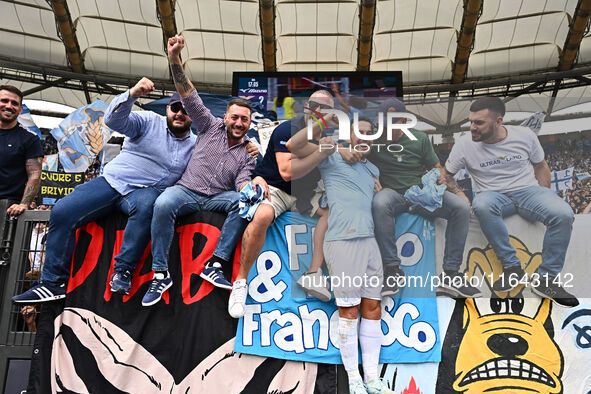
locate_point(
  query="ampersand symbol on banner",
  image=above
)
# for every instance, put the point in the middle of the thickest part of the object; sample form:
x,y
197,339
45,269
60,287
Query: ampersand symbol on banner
x,y
262,288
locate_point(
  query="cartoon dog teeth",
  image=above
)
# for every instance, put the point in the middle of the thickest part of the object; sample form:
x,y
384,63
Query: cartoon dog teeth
x,y
505,350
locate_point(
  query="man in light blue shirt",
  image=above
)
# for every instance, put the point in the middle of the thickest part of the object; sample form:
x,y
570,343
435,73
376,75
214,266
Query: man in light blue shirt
x,y
352,254
154,156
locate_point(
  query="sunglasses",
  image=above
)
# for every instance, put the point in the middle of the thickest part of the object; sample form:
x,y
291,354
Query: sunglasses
x,y
176,107
314,106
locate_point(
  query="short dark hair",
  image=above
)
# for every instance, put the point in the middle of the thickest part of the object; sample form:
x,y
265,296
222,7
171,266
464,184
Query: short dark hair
x,y
365,119
493,104
13,89
239,102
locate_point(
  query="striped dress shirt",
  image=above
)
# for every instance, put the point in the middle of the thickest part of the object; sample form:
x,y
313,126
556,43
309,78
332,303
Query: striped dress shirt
x,y
214,167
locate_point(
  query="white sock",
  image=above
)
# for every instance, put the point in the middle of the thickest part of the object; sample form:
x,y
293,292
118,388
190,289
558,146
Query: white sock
x,y
160,276
349,347
370,338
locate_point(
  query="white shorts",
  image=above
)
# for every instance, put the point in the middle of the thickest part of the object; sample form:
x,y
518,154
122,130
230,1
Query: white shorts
x,y
355,268
280,201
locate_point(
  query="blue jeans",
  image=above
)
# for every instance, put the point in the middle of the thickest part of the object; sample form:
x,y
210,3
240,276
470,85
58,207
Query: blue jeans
x,y
388,203
179,201
87,203
534,203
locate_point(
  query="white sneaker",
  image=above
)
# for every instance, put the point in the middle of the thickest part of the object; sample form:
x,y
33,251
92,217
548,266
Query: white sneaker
x,y
377,386
237,301
314,284
357,387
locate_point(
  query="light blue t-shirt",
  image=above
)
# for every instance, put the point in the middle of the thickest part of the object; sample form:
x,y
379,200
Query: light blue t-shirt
x,y
349,189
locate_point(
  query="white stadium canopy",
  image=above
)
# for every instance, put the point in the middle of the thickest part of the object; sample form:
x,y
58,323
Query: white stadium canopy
x,y
537,53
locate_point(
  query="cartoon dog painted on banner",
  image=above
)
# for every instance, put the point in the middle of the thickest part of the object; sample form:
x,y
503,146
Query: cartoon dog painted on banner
x,y
486,260
503,343
504,348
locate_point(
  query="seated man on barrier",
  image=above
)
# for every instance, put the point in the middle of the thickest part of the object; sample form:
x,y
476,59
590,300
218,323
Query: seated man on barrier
x,y
20,154
402,163
277,168
219,168
352,253
154,156
511,176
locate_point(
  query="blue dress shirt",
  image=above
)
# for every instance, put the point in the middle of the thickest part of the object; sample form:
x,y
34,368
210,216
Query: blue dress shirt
x,y
151,154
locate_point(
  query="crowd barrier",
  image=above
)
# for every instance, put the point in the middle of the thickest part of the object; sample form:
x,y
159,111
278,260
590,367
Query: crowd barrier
x,y
17,323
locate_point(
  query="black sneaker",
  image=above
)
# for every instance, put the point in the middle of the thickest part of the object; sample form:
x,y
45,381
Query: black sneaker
x,y
458,283
548,289
392,276
509,279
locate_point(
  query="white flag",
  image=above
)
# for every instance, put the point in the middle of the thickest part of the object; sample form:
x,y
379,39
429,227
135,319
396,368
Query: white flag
x,y
562,180
535,121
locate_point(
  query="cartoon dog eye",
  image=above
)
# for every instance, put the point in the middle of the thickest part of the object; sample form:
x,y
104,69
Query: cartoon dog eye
x,y
508,305
517,306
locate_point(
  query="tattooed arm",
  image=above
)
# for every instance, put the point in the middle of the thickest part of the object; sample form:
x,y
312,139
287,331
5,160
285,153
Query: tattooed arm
x,y
452,184
31,189
203,119
181,82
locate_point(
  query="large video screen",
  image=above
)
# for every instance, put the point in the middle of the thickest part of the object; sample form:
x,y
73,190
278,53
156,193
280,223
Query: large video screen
x,y
351,89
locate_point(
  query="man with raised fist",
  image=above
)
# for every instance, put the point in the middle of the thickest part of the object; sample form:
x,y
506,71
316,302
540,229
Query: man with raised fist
x,y
154,155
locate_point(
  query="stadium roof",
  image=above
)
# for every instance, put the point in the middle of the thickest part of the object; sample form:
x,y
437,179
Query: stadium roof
x,y
74,51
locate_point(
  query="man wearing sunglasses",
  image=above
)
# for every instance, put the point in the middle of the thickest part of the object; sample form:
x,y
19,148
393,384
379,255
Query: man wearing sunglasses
x,y
278,168
154,155
218,169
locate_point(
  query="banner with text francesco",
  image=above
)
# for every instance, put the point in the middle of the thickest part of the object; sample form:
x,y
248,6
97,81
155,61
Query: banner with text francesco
x,y
281,322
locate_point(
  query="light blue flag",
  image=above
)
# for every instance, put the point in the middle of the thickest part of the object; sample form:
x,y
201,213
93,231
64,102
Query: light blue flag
x,y
81,136
535,121
26,120
281,322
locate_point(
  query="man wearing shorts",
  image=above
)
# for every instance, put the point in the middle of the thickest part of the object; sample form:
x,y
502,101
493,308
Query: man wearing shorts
x,y
353,259
277,168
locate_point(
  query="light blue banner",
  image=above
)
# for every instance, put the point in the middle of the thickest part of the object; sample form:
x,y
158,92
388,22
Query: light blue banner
x,y
81,135
281,322
26,120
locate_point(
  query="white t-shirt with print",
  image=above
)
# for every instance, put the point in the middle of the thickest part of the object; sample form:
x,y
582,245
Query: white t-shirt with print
x,y
505,166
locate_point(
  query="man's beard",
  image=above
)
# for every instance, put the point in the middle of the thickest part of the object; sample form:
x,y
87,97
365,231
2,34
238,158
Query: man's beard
x,y
177,131
4,119
485,135
231,134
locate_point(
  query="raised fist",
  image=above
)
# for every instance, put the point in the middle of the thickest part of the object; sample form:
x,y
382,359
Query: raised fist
x,y
144,86
175,45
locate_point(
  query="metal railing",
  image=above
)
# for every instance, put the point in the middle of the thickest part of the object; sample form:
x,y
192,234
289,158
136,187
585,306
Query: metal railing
x,y
22,252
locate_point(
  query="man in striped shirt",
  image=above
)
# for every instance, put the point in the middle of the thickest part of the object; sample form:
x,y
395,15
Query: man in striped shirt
x,y
278,169
219,167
